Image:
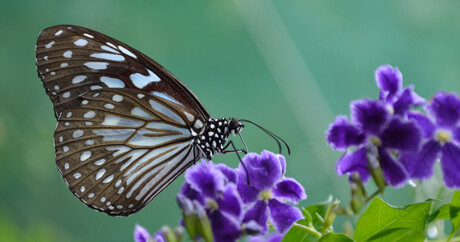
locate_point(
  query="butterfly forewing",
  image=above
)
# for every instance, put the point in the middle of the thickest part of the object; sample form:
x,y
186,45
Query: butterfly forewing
x,y
117,149
72,60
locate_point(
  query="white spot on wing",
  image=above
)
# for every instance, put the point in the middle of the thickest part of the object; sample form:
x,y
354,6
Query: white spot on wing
x,y
76,175
117,98
111,120
67,54
99,162
105,47
97,65
81,42
109,106
88,35
50,44
140,81
66,166
198,124
78,79
66,95
64,65
112,82
100,173
108,179
189,116
106,56
85,155
127,52
165,96
111,45
90,114
77,134
58,33
95,87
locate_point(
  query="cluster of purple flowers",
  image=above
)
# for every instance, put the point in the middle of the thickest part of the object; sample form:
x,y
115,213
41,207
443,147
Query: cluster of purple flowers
x,y
407,142
236,208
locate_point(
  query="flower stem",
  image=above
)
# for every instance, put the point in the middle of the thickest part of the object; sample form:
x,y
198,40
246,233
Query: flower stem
x,y
368,199
309,230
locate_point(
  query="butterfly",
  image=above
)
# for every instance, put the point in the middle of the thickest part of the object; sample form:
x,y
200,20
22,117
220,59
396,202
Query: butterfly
x,y
127,127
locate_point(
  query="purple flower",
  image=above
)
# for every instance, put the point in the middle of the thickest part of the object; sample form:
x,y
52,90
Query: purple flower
x,y
213,186
373,124
141,234
442,140
268,190
398,100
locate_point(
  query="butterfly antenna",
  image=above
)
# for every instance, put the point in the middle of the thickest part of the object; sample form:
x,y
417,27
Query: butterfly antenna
x,y
271,134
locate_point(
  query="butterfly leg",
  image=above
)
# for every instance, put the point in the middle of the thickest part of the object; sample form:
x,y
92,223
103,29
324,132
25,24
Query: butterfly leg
x,y
237,152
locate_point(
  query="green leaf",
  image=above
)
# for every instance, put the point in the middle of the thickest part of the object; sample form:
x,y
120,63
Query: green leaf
x,y
382,222
441,213
313,217
455,212
335,237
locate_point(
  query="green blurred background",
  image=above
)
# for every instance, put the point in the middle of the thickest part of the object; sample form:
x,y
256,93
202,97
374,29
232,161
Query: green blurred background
x,y
288,65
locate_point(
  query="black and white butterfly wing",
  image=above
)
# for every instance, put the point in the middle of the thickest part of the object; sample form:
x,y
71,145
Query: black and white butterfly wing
x,y
72,60
125,124
117,149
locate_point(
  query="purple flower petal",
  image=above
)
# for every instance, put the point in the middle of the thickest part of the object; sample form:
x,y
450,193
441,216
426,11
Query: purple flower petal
x,y
247,192
424,122
342,134
224,227
389,80
370,115
230,202
259,213
420,165
190,193
264,169
290,190
205,178
354,161
456,134
141,234
252,228
402,136
230,173
393,171
406,100
450,165
159,236
282,161
283,215
445,107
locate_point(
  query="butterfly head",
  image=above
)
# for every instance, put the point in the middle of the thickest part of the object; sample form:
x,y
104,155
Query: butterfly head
x,y
235,126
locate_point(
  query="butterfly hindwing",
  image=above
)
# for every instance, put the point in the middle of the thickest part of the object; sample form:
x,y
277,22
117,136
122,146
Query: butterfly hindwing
x,y
72,60
118,148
